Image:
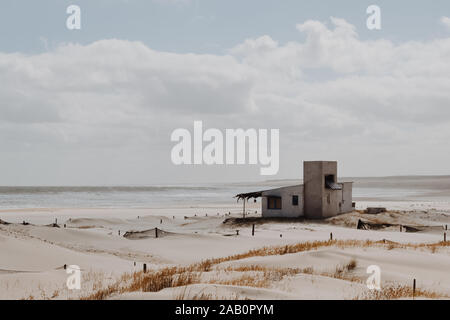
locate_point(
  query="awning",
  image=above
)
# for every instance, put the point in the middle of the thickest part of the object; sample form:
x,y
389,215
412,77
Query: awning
x,y
249,195
333,185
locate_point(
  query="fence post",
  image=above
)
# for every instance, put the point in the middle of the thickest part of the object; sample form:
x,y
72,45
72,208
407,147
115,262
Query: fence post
x,y
145,267
414,288
445,236
331,236
237,232
253,230
156,232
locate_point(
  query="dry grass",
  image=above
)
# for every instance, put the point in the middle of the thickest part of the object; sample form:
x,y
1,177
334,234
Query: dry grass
x,y
256,276
104,293
393,292
245,280
252,276
152,281
351,265
343,272
55,294
314,245
164,278
170,277
206,296
265,277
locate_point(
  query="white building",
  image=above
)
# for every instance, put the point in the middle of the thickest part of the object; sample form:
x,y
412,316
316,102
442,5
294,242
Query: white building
x,y
320,195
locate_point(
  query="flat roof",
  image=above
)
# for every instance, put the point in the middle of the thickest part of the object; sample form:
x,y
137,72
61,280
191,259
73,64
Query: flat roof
x,y
257,194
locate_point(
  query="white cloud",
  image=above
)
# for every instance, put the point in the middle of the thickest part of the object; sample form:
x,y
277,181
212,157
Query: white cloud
x,y
446,21
333,89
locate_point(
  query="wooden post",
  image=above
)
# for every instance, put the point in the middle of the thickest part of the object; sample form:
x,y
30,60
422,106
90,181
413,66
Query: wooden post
x,y
253,230
65,266
414,288
445,227
331,236
145,267
401,228
237,232
119,232
64,225
445,236
156,232
243,211
281,236
160,221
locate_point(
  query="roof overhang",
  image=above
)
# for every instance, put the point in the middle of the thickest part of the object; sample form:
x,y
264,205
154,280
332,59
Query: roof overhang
x,y
249,195
258,194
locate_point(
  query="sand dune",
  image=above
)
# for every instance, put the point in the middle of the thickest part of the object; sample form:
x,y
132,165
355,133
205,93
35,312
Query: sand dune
x,y
32,256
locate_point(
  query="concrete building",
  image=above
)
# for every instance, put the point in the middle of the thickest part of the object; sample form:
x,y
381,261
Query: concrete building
x,y
320,196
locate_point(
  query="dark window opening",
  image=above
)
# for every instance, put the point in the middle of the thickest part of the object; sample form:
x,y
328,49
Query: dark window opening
x,y
330,182
329,179
295,200
274,203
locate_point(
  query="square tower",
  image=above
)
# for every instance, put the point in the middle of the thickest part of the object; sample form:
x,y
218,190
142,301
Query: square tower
x,y
321,191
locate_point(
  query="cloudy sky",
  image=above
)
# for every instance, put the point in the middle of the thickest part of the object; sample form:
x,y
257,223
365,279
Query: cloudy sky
x,y
97,106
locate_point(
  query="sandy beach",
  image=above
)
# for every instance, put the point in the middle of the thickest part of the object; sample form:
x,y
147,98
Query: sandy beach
x,y
207,252
224,150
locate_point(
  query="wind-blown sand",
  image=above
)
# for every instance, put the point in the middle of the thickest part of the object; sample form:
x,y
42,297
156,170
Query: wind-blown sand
x,y
32,256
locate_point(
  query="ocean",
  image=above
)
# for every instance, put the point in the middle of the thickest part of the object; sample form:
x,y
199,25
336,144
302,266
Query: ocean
x,y
411,188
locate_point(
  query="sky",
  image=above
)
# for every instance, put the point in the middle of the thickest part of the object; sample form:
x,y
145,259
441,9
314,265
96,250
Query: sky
x,y
97,106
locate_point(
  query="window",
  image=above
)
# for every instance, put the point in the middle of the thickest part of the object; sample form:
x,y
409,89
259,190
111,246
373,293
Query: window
x,y
295,200
330,183
329,180
274,203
